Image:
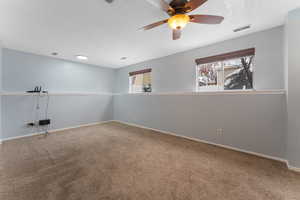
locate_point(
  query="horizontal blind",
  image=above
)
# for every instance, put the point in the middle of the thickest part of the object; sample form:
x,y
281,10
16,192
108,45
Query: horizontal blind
x,y
226,56
140,72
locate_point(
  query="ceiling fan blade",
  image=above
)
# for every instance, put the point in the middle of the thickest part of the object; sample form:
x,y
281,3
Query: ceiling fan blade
x,y
150,26
193,4
206,19
176,34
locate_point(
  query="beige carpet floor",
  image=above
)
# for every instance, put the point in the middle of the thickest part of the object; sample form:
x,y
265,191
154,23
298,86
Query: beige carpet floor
x,y
113,161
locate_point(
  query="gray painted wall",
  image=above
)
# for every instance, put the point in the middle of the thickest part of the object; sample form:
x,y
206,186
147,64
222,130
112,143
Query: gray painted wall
x,y
0,90
250,122
23,71
178,73
293,97
65,111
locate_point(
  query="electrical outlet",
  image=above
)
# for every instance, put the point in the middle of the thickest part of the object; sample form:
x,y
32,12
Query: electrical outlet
x,y
30,124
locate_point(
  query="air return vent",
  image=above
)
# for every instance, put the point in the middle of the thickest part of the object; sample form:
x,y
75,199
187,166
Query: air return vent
x,y
109,1
242,28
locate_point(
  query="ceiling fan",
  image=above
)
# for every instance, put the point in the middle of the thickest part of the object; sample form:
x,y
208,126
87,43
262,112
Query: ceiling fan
x,y
177,10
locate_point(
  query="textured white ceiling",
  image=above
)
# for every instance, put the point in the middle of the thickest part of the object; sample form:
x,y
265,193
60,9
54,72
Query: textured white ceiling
x,y
106,32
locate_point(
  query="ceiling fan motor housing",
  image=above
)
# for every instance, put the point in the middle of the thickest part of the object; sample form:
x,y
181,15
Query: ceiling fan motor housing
x,y
178,9
179,6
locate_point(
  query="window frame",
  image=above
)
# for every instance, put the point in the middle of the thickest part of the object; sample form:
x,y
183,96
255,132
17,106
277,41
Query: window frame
x,y
222,58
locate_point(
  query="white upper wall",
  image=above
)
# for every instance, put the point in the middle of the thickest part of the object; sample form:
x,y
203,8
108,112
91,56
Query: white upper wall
x,y
177,73
23,71
1,66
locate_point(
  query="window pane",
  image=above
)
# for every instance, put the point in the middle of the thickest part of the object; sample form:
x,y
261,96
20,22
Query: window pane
x,y
210,76
140,82
147,82
238,73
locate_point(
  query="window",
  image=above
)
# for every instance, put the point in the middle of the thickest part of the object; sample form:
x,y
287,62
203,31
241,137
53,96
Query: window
x,y
140,81
231,71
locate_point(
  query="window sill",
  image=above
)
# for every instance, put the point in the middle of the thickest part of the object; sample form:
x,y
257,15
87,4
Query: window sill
x,y
220,92
5,93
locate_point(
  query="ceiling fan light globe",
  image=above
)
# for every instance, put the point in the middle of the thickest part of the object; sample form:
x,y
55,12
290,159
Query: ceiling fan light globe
x,y
178,21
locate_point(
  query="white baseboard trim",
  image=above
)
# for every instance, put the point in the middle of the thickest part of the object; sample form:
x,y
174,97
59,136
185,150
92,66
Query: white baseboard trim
x,y
292,168
53,131
218,145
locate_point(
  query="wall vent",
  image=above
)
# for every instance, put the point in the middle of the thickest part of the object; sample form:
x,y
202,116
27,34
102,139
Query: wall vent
x,y
109,1
242,28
